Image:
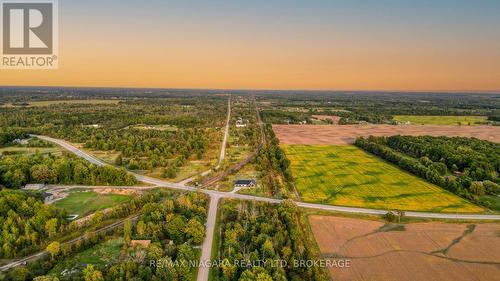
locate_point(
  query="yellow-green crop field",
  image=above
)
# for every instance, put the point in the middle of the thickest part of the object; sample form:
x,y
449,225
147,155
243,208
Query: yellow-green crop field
x,y
348,176
441,120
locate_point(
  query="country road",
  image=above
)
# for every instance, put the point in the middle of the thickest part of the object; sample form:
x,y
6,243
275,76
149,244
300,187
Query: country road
x,y
226,135
221,194
206,249
222,154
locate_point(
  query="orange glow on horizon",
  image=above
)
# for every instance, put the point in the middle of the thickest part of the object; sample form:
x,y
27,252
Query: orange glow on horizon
x,y
97,56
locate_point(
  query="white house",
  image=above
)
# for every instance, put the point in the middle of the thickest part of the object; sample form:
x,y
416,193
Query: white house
x,y
240,123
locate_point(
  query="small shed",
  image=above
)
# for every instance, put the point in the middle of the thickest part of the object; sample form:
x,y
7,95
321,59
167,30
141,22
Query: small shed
x,y
142,243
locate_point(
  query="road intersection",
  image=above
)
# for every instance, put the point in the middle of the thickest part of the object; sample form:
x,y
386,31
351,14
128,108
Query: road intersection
x,y
162,183
215,197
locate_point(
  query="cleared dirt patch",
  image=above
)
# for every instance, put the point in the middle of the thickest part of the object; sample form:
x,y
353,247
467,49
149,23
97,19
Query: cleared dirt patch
x,y
347,134
118,191
422,251
334,119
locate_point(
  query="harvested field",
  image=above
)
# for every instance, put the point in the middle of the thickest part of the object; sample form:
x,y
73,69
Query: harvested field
x,y
421,251
347,134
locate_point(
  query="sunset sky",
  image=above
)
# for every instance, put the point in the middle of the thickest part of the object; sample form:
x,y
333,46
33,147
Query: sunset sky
x,y
434,45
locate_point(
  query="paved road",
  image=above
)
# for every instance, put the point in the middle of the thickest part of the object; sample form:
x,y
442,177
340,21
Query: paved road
x,y
226,135
80,153
36,256
162,183
206,248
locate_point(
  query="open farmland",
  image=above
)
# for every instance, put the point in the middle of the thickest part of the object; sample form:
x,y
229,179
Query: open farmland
x,y
347,134
441,120
417,251
347,176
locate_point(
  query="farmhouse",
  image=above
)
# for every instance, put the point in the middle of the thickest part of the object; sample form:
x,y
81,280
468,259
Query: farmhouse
x,y
240,123
245,183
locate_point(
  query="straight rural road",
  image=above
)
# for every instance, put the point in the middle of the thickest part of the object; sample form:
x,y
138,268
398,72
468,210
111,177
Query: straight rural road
x,y
221,194
222,154
206,248
226,135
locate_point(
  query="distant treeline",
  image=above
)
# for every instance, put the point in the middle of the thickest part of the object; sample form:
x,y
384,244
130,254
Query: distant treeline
x,y
274,165
16,171
467,167
285,117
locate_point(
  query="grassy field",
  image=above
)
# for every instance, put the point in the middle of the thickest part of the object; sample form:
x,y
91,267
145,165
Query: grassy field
x,y
494,202
105,253
84,202
347,176
441,120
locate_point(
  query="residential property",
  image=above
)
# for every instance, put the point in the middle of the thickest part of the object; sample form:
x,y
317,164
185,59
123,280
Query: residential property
x,y
245,183
240,123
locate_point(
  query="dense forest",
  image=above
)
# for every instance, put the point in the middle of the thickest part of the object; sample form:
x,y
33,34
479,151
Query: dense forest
x,y
26,223
175,217
16,171
274,166
259,234
467,167
7,136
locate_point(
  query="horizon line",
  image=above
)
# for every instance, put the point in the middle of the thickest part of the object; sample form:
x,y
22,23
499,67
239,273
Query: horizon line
x,y
262,89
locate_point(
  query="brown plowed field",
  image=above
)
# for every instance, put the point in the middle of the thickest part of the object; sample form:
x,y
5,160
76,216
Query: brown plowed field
x,y
422,251
347,134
